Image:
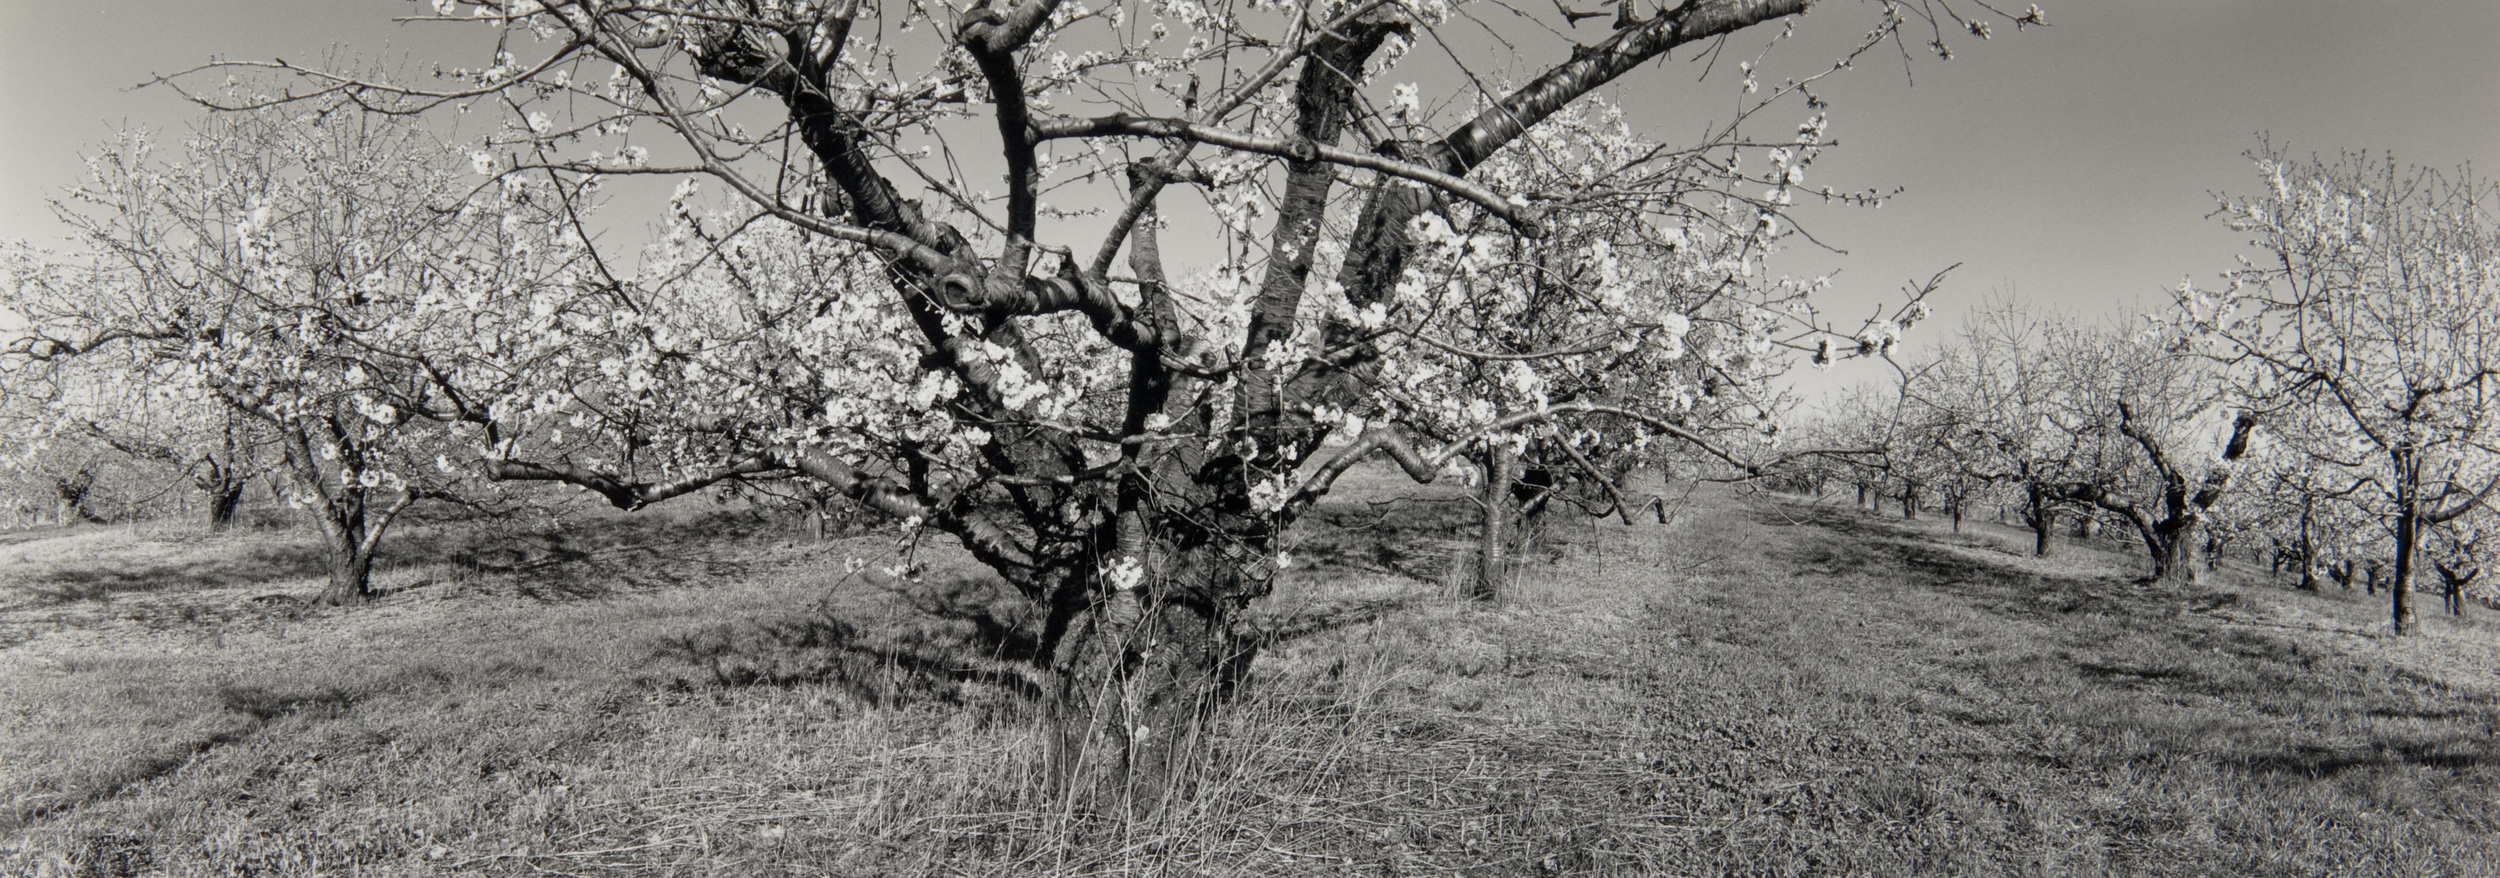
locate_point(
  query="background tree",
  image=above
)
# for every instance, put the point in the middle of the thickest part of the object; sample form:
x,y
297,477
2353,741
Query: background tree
x,y
314,271
2157,437
2365,320
1601,308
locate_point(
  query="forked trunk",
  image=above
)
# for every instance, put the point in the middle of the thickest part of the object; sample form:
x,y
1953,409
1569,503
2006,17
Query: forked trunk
x,y
2170,544
2173,556
2453,579
350,550
222,503
351,577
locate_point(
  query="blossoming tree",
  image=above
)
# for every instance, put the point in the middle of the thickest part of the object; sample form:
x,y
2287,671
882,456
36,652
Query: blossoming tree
x,y
2159,438
2367,321
316,272
951,192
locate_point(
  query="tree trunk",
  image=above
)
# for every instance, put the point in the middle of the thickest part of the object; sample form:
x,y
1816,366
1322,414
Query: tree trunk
x,y
2174,557
2452,582
1137,671
2408,534
73,492
1532,489
1491,561
351,577
2307,546
222,503
345,531
2042,518
221,474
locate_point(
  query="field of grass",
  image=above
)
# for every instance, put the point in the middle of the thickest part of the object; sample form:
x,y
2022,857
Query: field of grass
x,y
1766,686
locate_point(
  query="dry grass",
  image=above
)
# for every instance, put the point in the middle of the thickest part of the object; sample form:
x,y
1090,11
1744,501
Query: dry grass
x,y
1765,687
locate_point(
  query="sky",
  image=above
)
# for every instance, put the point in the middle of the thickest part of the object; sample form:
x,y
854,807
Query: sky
x,y
2070,166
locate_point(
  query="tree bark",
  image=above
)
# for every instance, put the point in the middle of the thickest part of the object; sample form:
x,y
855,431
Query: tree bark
x,y
351,577
222,504
1492,562
2306,545
2408,539
73,492
2172,546
2453,578
2042,517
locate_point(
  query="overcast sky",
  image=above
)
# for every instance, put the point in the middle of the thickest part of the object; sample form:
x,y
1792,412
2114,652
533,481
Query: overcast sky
x,y
2072,164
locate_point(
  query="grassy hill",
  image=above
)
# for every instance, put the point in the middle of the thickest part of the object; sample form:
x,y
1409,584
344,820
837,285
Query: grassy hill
x,y
1765,686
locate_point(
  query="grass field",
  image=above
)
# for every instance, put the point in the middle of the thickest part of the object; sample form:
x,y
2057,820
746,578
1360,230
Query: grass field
x,y
1766,686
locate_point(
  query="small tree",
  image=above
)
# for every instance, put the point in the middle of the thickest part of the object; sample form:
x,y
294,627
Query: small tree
x,y
1998,387
2366,318
314,272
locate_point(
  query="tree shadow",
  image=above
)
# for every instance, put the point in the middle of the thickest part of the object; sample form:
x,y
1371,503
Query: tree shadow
x,y
263,704
590,556
1988,578
1408,537
258,705
101,579
2245,687
935,641
926,643
2326,762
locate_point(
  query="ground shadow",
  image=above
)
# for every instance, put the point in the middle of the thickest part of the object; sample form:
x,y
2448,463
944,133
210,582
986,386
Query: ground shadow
x,y
258,705
926,642
583,556
1410,537
2325,762
102,579
1989,580
591,555
2237,671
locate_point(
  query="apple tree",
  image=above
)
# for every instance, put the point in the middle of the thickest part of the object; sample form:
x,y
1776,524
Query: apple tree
x,y
2366,320
325,275
951,192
